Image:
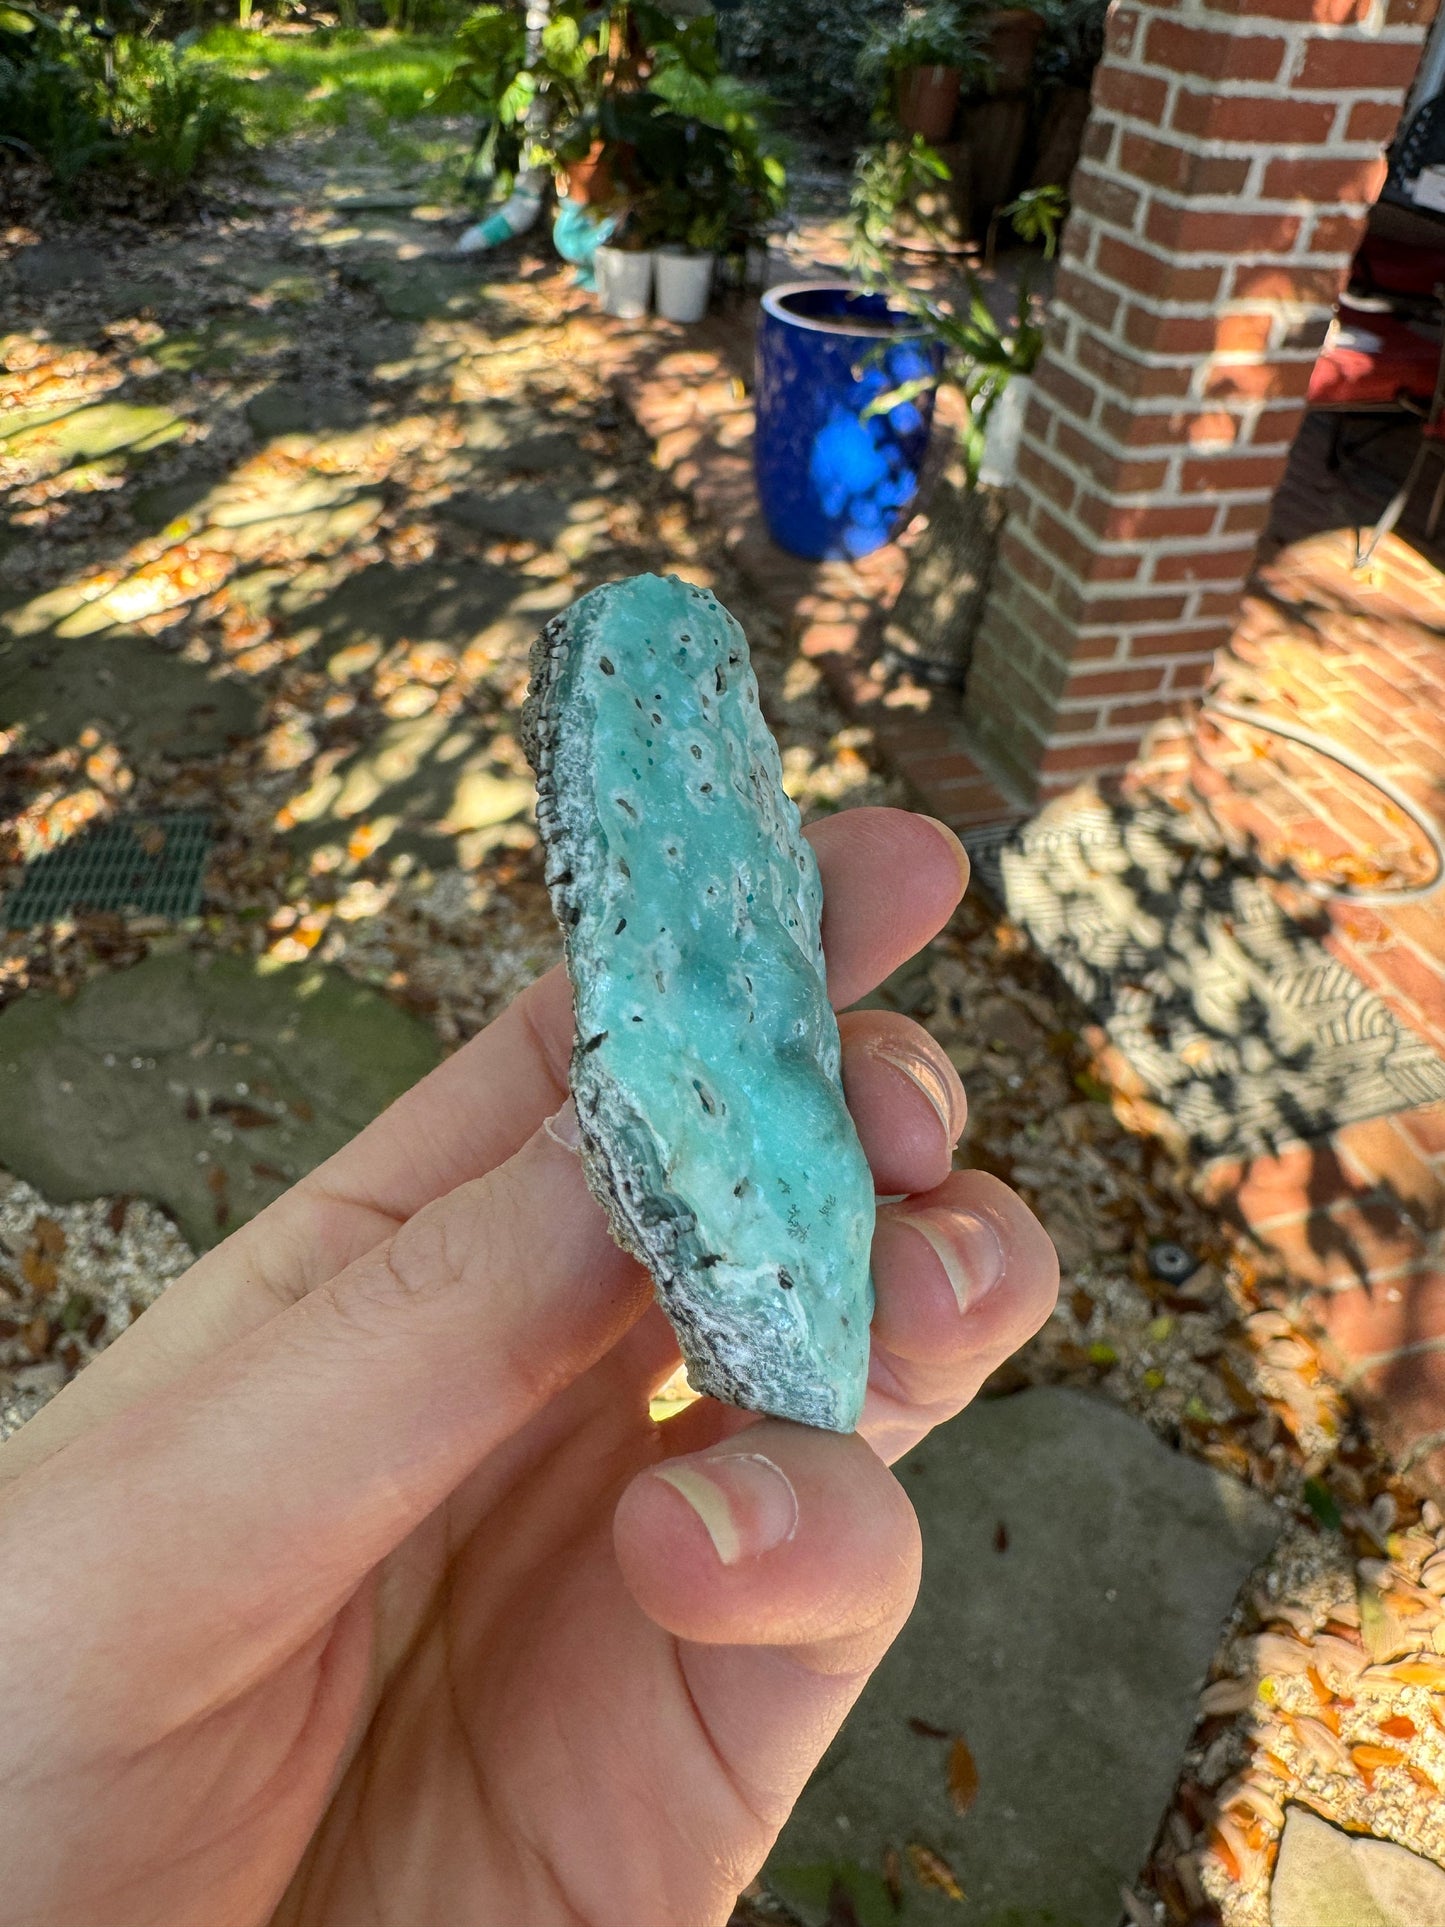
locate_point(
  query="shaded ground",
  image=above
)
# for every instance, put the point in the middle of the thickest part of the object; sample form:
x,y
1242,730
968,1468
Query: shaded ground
x,y
291,492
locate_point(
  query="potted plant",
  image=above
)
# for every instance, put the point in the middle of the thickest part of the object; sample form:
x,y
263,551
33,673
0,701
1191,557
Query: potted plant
x,y
922,61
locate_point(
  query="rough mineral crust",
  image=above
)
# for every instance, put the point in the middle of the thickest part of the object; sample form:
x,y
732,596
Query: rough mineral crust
x,y
706,1066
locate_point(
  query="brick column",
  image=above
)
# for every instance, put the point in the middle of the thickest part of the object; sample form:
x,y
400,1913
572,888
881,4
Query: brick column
x,y
1231,157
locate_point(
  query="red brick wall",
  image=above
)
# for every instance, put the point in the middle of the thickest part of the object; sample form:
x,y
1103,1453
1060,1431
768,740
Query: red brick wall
x,y
1230,160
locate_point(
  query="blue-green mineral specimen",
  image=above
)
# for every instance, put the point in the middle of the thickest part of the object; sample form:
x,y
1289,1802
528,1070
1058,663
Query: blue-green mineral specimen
x,y
706,1066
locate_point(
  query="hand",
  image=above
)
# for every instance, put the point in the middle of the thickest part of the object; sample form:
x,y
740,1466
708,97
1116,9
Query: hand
x,y
354,1587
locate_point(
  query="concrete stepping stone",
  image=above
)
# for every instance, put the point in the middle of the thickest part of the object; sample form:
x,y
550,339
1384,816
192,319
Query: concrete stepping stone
x,y
425,777
425,289
526,514
295,408
450,603
223,344
1325,1877
1076,1576
52,266
207,1084
141,697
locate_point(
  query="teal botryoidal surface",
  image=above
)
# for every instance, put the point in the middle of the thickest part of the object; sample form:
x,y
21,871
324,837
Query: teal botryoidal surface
x,y
706,1066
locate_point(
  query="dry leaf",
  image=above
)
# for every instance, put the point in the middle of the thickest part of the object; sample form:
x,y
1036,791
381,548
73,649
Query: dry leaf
x,y
1324,1747
1413,1669
115,1217
49,1237
1227,1695
39,1273
893,1876
1368,1758
1139,1914
962,1776
1000,1537
245,1117
930,1869
1398,1727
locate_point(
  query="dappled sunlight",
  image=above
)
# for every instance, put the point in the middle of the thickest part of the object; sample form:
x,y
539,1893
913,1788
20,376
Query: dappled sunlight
x,y
290,501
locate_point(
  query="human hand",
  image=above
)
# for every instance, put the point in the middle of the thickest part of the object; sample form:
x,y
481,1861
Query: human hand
x,y
354,1586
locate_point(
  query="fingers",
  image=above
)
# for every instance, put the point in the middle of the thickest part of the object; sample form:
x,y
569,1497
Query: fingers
x,y
785,1560
905,1097
891,880
965,1275
273,1478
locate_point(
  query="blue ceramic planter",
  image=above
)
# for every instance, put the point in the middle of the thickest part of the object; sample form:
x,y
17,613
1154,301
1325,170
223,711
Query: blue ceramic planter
x,y
830,483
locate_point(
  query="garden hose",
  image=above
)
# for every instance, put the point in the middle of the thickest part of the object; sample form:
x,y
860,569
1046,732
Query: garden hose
x,y
1323,746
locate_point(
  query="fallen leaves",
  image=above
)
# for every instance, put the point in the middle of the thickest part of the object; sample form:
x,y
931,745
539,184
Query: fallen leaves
x,y
962,1776
931,1870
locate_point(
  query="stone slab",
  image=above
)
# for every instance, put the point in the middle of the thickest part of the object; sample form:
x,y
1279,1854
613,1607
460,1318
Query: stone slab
x,y
207,1084
1070,1663
52,265
524,514
147,701
1325,1877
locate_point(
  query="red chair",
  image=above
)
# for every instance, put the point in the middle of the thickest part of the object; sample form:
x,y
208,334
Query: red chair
x,y
1432,447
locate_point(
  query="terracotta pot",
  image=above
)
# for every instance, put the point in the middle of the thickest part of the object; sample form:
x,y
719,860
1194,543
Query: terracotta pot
x,y
1013,40
928,100
590,179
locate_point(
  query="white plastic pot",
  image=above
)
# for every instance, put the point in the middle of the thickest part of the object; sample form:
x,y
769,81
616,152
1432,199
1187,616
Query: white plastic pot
x,y
624,281
684,282
999,464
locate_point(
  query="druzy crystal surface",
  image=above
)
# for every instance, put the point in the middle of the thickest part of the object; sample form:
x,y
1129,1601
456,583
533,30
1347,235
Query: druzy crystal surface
x,y
706,1063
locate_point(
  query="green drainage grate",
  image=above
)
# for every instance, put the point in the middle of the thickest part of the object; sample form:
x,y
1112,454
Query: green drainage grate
x,y
154,865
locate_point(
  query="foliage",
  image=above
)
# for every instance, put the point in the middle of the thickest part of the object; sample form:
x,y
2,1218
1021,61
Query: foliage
x,y
1073,40
281,84
981,353
685,141
807,53
944,33
887,178
80,99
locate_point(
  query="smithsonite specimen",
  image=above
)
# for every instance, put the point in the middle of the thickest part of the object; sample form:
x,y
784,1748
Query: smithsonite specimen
x,y
706,1067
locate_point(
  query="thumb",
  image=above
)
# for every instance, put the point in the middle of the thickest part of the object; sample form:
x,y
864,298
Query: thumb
x,y
253,1497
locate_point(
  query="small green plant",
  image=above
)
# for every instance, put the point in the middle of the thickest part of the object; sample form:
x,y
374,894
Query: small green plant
x,y
888,178
982,354
945,33
79,99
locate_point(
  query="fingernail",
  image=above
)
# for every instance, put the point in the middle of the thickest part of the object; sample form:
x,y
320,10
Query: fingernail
x,y
966,1245
563,1129
960,855
746,1502
922,1072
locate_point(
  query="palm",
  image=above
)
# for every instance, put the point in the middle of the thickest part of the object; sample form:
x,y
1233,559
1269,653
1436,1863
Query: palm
x,y
514,1690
